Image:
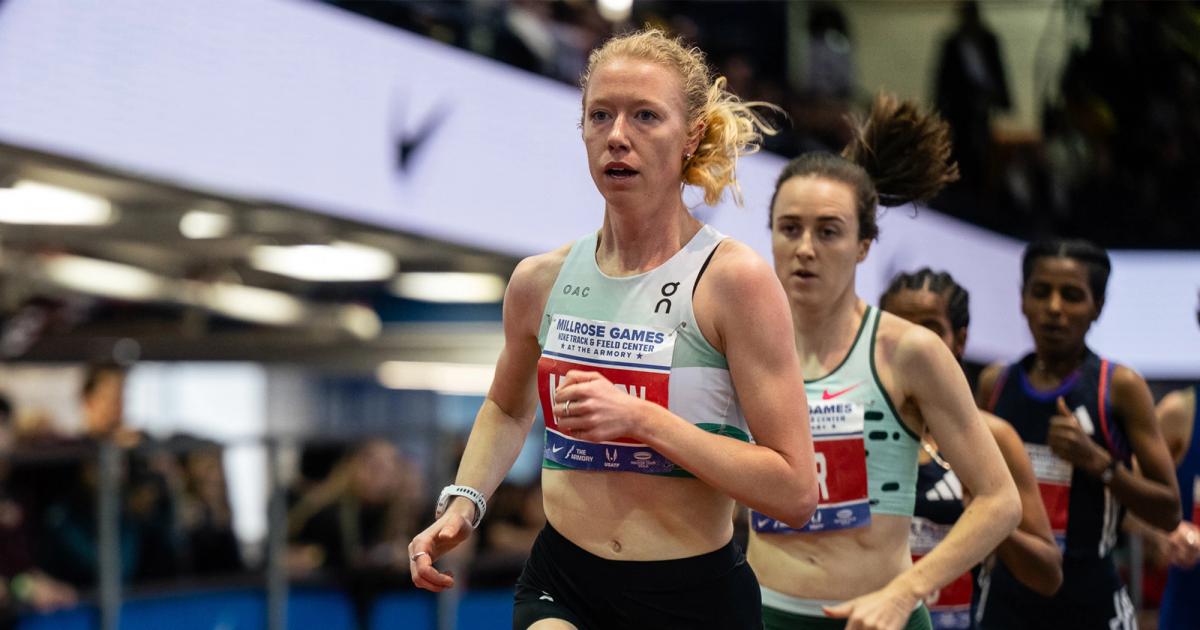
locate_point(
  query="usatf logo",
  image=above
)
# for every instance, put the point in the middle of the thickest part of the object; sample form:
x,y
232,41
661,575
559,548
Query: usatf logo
x,y
610,454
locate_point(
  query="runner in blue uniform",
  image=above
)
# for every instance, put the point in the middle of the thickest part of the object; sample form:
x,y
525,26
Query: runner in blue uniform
x,y
1178,415
656,347
877,384
1082,418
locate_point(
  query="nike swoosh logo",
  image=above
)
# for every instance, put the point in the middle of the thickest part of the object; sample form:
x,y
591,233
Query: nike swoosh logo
x,y
555,449
762,522
410,141
825,395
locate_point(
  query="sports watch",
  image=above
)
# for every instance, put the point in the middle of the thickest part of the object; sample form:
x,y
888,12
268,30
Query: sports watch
x,y
474,495
1110,471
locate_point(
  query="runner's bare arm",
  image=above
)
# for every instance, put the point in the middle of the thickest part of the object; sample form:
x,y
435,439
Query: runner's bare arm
x,y
930,375
1153,495
1175,412
503,421
752,325
1029,552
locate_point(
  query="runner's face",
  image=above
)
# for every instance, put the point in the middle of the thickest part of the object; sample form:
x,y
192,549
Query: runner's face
x,y
931,310
814,239
1058,305
635,129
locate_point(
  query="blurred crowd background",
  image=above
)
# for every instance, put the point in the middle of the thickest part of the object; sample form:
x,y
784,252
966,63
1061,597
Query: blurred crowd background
x,y
1111,157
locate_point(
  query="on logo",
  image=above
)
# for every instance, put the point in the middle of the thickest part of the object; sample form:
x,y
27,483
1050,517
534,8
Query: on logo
x,y
668,290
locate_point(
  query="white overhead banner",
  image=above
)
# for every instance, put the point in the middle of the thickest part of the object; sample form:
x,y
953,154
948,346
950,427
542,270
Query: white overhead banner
x,y
304,104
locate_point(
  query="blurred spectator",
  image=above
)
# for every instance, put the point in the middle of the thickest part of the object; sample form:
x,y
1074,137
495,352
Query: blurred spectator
x,y
830,56
317,461
68,545
355,526
971,85
23,582
153,546
154,500
1126,133
362,516
103,404
525,40
207,520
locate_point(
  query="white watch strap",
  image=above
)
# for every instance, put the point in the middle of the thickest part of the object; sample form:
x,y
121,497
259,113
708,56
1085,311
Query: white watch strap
x,y
463,491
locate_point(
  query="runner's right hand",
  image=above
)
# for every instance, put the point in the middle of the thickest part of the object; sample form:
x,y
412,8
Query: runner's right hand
x,y
1184,545
445,534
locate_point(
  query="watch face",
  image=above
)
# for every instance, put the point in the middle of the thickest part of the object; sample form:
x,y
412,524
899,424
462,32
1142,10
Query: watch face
x,y
1107,474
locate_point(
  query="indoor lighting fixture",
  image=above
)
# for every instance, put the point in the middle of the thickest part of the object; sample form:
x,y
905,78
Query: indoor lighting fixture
x,y
445,378
615,10
200,224
337,262
35,203
104,278
252,304
360,321
447,286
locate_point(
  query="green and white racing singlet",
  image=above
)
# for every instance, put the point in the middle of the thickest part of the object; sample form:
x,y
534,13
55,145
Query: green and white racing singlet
x,y
866,457
640,333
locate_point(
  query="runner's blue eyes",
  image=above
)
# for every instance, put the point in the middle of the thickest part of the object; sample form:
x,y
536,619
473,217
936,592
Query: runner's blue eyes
x,y
644,115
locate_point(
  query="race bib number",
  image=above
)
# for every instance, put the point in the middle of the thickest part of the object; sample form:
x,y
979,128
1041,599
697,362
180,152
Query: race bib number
x,y
636,359
1054,482
843,503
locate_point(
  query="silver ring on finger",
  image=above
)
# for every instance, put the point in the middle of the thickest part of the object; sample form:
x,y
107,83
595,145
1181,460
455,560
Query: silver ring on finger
x,y
567,408
413,558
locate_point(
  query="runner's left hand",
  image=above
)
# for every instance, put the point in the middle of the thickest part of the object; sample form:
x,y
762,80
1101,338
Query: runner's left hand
x,y
1067,439
886,609
599,411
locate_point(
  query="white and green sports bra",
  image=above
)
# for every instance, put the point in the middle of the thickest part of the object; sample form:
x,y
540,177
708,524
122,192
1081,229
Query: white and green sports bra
x,y
640,333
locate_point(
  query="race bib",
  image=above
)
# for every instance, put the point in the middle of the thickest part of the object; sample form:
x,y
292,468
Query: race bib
x,y
636,359
952,607
843,502
1054,482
